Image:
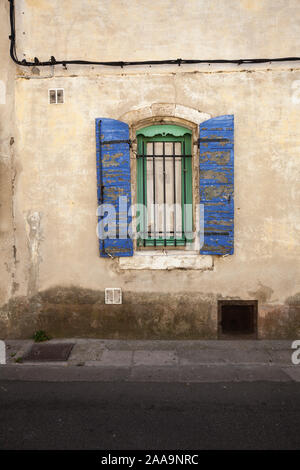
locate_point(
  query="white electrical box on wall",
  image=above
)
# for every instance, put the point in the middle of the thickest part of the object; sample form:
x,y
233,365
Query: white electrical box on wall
x,y
113,295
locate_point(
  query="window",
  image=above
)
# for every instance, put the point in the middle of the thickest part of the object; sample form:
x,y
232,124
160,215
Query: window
x,y
164,179
164,186
56,96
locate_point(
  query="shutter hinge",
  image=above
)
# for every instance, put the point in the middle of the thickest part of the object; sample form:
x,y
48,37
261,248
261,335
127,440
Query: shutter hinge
x,y
210,140
108,142
109,254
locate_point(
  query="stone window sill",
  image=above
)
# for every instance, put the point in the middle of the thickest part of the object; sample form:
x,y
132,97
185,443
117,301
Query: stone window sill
x,y
167,260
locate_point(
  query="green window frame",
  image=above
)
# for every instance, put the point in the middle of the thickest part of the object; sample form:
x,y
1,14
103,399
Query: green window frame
x,y
165,133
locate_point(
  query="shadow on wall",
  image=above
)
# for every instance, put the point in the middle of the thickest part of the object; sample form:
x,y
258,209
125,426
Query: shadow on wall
x,y
76,312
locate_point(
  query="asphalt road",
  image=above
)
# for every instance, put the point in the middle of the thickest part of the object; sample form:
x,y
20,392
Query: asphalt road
x,y
73,415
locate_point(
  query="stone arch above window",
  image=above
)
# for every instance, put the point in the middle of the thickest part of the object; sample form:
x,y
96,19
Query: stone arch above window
x,y
164,110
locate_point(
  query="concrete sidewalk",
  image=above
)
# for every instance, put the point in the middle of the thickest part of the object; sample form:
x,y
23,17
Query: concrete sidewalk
x,y
158,361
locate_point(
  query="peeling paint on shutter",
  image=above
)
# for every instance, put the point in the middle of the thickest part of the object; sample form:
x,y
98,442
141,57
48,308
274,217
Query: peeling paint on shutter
x,y
113,177
217,184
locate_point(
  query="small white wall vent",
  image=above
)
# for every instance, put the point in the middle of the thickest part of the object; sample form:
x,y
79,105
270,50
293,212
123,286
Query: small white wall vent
x,y
56,96
113,295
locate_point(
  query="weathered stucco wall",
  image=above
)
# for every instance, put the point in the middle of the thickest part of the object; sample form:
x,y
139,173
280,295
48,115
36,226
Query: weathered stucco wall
x,y
7,172
160,29
60,280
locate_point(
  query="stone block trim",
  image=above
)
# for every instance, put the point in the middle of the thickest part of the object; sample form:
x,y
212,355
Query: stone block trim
x,y
164,110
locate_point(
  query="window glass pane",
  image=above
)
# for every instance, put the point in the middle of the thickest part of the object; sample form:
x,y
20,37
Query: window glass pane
x,y
60,96
160,189
52,96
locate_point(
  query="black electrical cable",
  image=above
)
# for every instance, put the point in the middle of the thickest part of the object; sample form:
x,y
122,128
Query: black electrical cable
x,y
179,62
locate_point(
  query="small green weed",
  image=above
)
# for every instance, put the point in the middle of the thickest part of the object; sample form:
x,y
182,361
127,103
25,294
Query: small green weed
x,y
40,336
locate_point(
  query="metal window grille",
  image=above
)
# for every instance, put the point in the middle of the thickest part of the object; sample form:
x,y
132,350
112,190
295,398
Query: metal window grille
x,y
164,187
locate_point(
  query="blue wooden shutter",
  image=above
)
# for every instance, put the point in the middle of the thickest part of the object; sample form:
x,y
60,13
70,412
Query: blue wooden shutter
x,y
113,175
216,184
